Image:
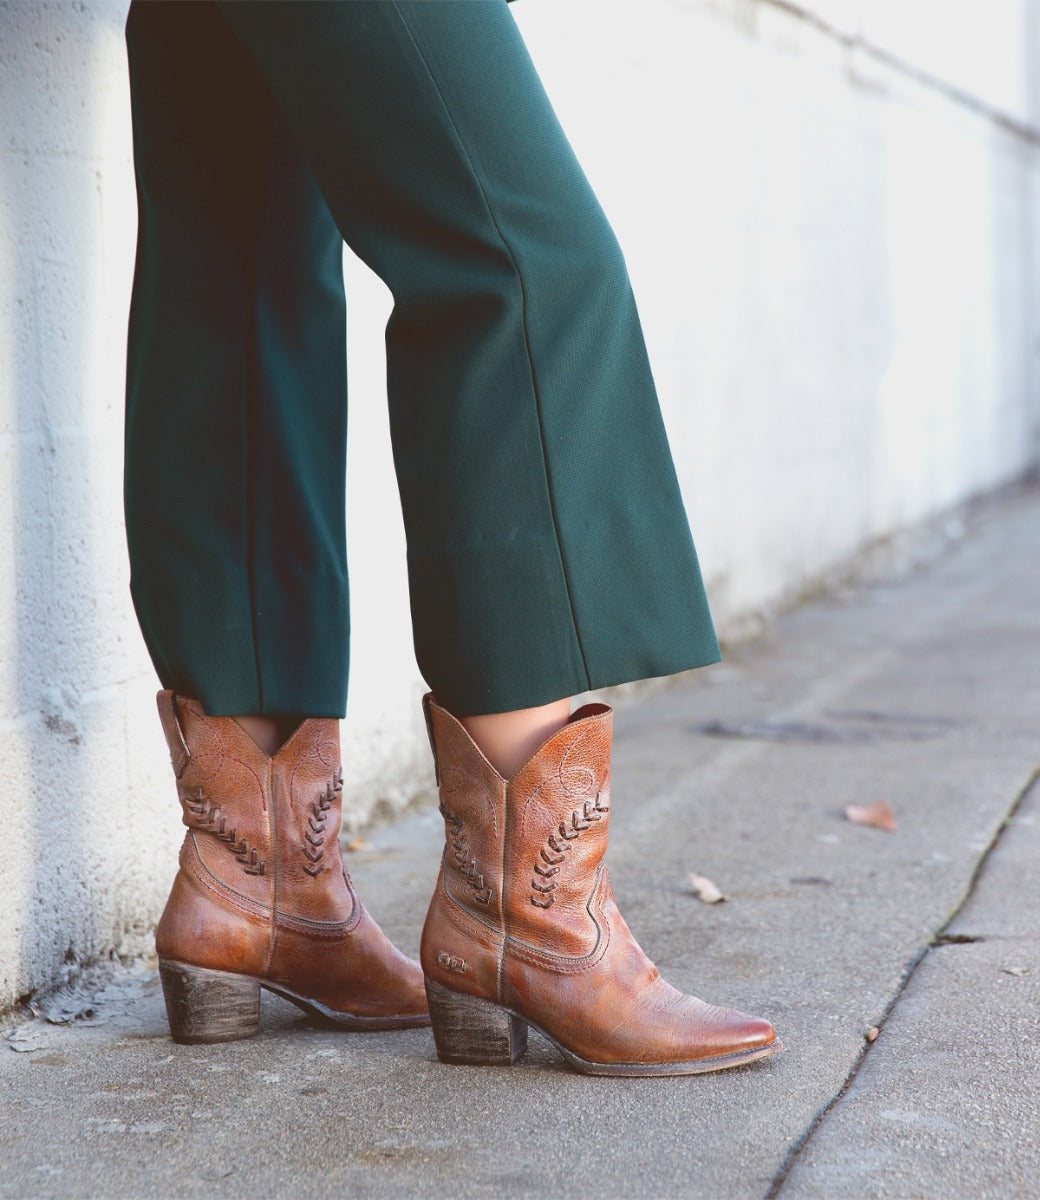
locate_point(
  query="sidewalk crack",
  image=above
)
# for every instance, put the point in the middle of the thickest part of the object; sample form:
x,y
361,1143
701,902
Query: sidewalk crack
x,y
939,939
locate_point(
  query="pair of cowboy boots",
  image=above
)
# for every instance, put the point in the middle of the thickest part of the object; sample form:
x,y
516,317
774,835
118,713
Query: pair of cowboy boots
x,y
522,928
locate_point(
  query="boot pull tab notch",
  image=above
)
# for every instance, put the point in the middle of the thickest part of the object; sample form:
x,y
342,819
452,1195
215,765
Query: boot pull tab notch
x,y
427,700
180,755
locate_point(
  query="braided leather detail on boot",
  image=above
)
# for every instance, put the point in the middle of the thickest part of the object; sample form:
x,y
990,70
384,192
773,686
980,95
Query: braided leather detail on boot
x,y
314,839
466,865
206,816
554,852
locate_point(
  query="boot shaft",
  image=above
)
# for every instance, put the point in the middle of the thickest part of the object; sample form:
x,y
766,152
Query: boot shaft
x,y
473,805
522,855
558,807
265,827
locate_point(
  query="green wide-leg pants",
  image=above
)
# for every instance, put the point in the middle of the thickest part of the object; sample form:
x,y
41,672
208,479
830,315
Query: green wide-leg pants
x,y
548,548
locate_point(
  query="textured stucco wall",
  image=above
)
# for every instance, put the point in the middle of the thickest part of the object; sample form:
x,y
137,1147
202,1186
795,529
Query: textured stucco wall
x,y
830,211
83,858
835,257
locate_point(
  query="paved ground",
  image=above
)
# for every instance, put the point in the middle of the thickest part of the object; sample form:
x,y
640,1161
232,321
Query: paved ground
x,y
922,691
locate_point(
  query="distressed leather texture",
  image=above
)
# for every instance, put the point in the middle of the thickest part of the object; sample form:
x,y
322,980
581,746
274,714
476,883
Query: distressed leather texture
x,y
550,944
261,889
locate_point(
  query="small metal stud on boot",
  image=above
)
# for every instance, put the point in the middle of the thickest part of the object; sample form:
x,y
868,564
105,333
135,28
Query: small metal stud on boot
x,y
261,899
523,930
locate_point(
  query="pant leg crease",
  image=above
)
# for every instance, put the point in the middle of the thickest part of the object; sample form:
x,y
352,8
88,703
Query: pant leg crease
x,y
523,308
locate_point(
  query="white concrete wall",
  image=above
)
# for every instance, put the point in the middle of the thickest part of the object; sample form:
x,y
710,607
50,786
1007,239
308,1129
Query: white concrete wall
x,y
84,855
830,212
836,263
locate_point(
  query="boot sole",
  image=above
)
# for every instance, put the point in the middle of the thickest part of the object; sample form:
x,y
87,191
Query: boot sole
x,y
475,1032
205,1006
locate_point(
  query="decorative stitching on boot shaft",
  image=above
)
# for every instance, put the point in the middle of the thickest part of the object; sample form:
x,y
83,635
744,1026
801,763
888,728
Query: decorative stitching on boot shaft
x,y
553,853
314,838
466,865
206,816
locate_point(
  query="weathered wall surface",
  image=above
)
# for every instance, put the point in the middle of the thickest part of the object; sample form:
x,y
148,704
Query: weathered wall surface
x,y
835,249
831,213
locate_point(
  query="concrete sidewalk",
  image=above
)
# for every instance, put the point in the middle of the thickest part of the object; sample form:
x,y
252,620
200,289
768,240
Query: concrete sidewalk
x,y
922,691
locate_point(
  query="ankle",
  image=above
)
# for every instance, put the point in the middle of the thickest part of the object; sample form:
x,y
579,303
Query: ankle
x,y
270,732
507,740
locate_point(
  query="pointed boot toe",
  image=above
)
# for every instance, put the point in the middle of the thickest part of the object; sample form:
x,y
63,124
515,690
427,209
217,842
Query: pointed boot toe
x,y
729,1038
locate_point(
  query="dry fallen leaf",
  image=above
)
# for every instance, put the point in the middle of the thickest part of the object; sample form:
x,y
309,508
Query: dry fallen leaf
x,y
705,890
872,1033
1015,970
356,844
879,816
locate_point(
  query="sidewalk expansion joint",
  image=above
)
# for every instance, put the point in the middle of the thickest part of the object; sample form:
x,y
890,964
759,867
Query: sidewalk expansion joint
x,y
940,939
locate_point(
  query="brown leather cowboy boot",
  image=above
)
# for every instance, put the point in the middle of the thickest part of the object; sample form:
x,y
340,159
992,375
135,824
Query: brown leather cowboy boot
x,y
523,928
261,898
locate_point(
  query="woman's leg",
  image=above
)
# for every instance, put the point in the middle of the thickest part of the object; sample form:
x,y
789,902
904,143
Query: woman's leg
x,y
270,733
236,384
508,739
548,548
234,497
